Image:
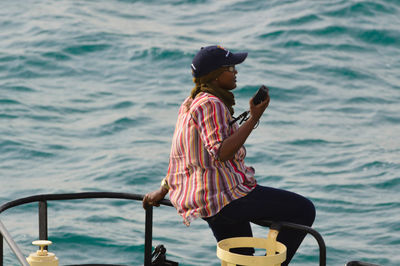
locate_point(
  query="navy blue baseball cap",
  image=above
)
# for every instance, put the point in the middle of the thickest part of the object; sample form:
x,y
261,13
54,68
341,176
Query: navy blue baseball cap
x,y
213,57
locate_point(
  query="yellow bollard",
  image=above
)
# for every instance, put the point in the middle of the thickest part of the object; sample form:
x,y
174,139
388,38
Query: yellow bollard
x,y
275,251
42,257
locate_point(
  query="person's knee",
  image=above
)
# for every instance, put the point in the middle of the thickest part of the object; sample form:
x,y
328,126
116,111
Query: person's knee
x,y
309,211
303,211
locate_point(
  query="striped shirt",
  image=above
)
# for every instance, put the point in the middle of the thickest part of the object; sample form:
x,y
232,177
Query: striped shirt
x,y
200,184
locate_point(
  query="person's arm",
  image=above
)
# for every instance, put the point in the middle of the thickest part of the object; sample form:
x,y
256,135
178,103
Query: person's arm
x,y
153,198
232,144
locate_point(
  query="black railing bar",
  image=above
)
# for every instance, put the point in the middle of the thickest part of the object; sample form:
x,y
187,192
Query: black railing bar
x,y
43,228
148,236
1,249
13,245
73,196
314,233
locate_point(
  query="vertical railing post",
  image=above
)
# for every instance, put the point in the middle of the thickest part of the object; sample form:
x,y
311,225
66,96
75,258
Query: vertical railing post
x,y
1,249
43,220
148,236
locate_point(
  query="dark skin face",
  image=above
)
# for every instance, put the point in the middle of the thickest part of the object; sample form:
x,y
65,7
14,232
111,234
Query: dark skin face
x,y
227,79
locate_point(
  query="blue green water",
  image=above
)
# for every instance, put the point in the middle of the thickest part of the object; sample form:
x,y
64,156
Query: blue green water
x,y
89,93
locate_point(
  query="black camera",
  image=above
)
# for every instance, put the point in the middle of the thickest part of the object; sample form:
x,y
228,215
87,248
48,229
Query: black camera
x,y
261,95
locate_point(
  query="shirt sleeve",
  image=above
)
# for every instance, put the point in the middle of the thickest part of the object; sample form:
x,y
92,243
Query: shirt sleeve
x,y
212,119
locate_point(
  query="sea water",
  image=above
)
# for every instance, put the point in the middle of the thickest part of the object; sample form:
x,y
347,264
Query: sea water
x,y
89,94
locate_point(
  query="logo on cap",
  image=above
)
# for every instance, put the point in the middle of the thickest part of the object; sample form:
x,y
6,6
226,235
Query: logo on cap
x,y
227,51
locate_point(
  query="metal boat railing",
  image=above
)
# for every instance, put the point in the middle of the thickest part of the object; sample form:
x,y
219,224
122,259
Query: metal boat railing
x,y
280,225
43,228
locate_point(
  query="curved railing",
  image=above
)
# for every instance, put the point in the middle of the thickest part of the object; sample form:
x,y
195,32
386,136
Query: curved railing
x,y
43,229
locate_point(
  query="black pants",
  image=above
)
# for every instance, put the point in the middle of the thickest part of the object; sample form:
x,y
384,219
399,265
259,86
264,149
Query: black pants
x,y
269,204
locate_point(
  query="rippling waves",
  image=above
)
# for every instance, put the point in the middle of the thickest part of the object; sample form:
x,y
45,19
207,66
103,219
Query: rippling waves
x,y
89,92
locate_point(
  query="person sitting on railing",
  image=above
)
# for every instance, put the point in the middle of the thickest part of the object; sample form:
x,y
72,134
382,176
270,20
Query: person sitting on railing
x,y
207,175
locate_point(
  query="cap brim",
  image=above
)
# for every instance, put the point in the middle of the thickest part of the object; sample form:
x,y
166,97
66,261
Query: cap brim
x,y
238,58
